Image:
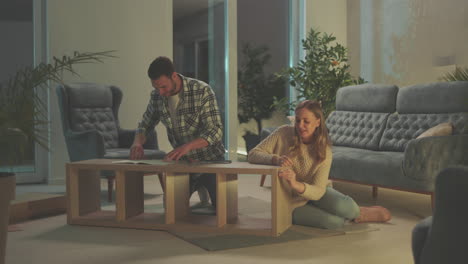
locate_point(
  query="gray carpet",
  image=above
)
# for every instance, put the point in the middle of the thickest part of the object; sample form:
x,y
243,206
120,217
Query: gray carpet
x,y
257,208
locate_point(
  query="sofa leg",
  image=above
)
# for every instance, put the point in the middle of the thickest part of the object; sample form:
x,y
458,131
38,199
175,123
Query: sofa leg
x,y
262,180
432,201
110,188
374,192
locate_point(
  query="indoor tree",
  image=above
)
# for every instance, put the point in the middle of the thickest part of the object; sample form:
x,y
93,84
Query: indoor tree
x,y
256,89
318,76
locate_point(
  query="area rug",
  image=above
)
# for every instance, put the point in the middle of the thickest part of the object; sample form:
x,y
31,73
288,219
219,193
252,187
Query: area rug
x,y
254,207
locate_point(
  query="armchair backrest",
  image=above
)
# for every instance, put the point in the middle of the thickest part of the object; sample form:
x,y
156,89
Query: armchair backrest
x,y
91,106
448,235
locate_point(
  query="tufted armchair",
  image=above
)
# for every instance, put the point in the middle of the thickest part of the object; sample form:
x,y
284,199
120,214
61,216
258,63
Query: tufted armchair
x,y
443,237
90,123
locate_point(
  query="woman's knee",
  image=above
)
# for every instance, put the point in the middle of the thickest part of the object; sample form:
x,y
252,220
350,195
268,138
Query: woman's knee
x,y
309,215
347,208
339,204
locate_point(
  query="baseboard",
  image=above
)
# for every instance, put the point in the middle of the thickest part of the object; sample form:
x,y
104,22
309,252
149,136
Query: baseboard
x,y
35,205
56,181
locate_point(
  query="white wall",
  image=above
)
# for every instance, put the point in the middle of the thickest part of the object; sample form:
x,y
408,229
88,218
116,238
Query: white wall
x,y
409,41
327,16
138,30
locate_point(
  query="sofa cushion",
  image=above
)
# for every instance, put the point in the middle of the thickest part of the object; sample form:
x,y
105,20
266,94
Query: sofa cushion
x,y
356,129
443,97
401,128
383,168
377,98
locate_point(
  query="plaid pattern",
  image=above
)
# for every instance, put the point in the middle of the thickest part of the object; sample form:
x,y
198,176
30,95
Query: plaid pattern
x,y
198,116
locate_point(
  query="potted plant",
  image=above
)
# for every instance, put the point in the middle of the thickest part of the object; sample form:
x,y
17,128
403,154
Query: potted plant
x,y
256,90
318,76
22,120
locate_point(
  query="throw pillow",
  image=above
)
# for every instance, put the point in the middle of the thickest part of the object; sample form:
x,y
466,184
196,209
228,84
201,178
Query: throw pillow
x,y
443,129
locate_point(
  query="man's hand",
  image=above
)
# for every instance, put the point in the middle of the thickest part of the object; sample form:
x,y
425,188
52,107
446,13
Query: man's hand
x,y
177,153
136,152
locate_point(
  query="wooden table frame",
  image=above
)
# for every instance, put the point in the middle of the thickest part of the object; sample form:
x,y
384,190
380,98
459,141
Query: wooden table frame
x,y
84,208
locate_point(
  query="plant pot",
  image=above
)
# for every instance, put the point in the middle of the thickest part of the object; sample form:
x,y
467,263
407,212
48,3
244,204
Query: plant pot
x,y
251,140
7,193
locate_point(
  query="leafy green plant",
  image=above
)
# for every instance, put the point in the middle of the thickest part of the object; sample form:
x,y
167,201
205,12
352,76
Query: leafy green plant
x,y
318,76
23,113
256,89
459,74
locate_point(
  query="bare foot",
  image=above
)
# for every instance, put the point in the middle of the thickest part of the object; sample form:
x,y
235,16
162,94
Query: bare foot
x,y
373,214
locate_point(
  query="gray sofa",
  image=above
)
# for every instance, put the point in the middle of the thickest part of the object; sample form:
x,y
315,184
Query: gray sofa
x,y
374,130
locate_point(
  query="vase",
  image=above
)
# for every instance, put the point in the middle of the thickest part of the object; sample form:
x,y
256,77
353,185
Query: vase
x,y
7,193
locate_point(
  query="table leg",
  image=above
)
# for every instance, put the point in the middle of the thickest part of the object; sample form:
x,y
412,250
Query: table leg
x,y
129,194
226,199
83,192
281,218
177,196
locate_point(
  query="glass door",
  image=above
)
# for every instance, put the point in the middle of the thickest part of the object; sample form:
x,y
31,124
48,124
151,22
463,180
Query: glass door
x,y
200,43
22,23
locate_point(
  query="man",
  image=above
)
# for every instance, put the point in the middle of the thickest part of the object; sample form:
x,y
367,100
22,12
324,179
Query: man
x,y
189,110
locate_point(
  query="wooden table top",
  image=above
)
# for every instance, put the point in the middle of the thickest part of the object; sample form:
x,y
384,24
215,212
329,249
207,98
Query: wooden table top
x,y
236,167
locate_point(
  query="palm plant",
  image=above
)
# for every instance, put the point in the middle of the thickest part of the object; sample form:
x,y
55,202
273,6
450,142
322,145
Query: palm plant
x,y
23,112
459,74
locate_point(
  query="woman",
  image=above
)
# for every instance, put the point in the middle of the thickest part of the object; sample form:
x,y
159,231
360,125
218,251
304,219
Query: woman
x,y
304,152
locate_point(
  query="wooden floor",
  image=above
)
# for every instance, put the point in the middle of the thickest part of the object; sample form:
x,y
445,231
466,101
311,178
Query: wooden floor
x,y
33,205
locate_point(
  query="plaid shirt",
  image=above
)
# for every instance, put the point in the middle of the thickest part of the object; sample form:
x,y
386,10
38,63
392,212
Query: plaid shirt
x,y
197,114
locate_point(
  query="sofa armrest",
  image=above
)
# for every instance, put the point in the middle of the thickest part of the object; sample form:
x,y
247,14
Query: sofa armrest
x,y
126,137
84,145
425,157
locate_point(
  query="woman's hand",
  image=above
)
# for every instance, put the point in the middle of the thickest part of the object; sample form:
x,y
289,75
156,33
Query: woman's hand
x,y
283,161
287,174
290,176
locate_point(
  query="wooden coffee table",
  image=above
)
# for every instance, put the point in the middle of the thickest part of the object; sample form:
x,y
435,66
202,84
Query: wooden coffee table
x,y
84,206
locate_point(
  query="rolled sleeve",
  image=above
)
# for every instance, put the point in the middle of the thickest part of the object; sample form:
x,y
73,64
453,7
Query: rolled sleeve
x,y
150,117
264,152
212,128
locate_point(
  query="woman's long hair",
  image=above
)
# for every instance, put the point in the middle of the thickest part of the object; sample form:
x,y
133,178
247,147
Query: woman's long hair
x,y
320,138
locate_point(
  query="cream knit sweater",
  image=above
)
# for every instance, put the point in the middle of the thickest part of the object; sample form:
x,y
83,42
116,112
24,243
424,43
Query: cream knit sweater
x,y
313,175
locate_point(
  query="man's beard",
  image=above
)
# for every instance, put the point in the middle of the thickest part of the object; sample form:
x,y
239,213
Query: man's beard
x,y
174,89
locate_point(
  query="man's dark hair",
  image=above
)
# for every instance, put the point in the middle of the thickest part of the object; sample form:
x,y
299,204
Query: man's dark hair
x,y
160,66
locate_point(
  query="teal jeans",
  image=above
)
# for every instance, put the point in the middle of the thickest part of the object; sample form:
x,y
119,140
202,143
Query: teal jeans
x,y
330,212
